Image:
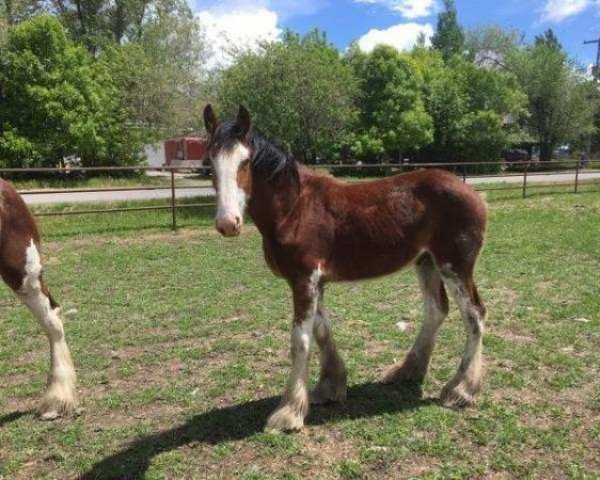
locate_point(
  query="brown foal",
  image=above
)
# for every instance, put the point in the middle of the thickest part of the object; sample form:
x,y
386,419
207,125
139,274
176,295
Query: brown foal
x,y
317,229
21,270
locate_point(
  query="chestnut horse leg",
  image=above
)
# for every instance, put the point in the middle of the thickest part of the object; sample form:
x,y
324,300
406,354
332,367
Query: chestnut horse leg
x,y
26,280
332,380
462,389
295,401
413,367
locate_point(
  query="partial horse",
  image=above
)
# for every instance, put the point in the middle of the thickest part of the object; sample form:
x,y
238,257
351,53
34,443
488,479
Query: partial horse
x,y
317,229
21,270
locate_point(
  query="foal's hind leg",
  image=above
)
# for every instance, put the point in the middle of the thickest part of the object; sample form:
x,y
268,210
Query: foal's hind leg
x,y
60,396
462,389
332,381
413,367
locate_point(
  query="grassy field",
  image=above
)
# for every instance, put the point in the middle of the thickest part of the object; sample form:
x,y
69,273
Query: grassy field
x,y
181,343
105,181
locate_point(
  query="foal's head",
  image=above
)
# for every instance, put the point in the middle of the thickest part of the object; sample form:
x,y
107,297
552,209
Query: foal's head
x,y
230,153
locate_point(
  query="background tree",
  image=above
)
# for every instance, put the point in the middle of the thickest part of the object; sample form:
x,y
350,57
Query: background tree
x,y
160,76
392,119
493,46
56,102
561,101
469,106
15,11
548,38
98,23
167,49
449,37
299,91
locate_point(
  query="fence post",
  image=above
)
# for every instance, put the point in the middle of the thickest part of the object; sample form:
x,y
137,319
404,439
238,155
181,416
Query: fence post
x,y
464,173
524,180
577,175
173,209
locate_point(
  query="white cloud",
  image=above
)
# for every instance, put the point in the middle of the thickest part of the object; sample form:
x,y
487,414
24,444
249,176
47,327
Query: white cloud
x,y
284,8
233,25
559,10
238,29
402,36
407,8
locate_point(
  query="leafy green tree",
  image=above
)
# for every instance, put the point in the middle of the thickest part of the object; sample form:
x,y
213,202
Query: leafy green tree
x,y
160,77
299,92
176,83
449,37
550,39
56,102
98,23
469,106
14,11
156,48
561,101
392,118
493,46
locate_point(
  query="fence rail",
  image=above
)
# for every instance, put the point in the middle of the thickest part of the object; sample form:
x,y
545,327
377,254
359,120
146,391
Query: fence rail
x,y
524,169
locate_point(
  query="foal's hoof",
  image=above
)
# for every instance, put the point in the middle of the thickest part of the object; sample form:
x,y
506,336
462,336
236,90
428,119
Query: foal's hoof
x,y
285,419
52,406
328,391
52,412
409,370
457,397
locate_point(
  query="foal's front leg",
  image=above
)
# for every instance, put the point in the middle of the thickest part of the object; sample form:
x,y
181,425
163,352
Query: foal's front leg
x,y
333,378
295,401
60,397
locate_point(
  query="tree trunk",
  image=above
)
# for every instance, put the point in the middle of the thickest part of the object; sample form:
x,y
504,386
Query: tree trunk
x,y
546,152
119,22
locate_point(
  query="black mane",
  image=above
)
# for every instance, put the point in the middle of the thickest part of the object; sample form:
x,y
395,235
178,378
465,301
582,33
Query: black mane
x,y
269,160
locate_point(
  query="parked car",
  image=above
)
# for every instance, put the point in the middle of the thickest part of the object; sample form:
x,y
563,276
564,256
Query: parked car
x,y
516,155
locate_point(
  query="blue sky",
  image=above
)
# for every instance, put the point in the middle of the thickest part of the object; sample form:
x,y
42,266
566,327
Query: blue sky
x,y
242,22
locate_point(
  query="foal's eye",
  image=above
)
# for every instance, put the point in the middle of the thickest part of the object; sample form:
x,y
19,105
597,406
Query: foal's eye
x,y
245,163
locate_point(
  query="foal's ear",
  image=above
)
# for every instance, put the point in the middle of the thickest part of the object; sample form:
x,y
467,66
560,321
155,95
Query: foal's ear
x,y
243,122
210,119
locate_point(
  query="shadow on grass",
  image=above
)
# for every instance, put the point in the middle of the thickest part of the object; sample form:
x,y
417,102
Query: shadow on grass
x,y
11,417
241,421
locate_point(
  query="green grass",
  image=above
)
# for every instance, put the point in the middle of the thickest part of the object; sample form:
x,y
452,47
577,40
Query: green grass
x,y
53,181
132,223
181,344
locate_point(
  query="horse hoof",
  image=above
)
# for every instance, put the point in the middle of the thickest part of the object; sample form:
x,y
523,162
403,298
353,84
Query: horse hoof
x,y
457,397
409,370
285,419
328,391
52,407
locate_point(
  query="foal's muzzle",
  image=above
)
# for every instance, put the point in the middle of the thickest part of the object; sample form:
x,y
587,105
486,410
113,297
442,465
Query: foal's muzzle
x,y
229,227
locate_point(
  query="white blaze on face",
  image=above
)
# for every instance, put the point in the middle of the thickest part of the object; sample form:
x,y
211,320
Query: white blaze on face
x,y
231,199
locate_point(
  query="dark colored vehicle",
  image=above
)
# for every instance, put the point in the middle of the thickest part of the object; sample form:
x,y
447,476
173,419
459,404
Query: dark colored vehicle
x,y
515,155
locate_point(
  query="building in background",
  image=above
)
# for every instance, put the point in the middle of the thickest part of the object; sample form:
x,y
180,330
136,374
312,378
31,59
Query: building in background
x,y
186,152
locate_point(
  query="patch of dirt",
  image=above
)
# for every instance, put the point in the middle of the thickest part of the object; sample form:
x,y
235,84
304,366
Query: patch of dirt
x,y
514,395
518,338
166,413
